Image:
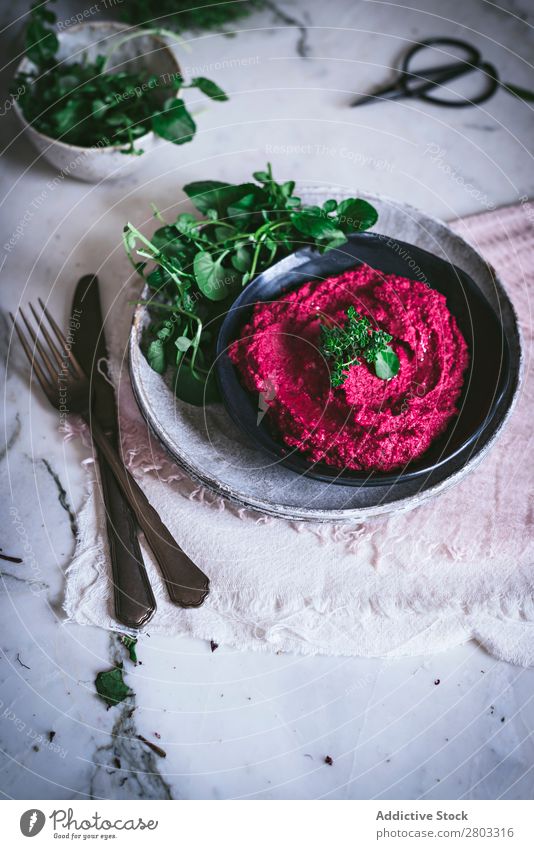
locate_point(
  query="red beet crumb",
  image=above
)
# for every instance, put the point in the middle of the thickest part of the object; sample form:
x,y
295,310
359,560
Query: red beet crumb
x,y
213,645
328,760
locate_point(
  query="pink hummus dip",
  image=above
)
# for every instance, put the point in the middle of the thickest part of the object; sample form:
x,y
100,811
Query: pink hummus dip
x,y
367,423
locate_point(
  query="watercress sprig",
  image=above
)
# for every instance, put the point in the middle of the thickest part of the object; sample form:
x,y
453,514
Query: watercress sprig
x,y
356,340
196,267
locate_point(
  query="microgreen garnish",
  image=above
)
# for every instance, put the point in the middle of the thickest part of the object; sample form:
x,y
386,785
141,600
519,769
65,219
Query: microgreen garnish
x,y
197,267
348,344
82,103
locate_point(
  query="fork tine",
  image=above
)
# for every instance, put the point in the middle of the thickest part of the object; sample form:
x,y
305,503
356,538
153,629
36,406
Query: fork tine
x,y
42,327
45,384
44,356
62,341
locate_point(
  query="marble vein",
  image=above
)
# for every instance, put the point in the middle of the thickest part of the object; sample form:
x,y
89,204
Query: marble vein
x,y
62,497
125,762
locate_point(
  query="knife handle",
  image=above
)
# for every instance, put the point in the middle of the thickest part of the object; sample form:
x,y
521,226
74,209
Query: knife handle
x,y
186,584
133,597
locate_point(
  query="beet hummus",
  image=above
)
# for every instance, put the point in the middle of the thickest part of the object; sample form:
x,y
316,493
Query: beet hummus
x,y
366,423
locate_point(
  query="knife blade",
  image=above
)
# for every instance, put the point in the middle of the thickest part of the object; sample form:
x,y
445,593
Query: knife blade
x,y
133,597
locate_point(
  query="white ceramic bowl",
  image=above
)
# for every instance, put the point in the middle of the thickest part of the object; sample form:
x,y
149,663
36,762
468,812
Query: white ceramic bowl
x,y
148,52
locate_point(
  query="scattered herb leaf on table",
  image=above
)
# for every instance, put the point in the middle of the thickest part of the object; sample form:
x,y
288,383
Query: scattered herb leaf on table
x,y
83,104
129,644
196,267
110,686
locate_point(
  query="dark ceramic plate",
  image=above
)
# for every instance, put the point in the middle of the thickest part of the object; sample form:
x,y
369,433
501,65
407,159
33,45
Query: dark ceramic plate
x,y
485,381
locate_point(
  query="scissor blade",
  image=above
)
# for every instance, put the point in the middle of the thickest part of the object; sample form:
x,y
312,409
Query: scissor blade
x,y
392,92
418,82
436,77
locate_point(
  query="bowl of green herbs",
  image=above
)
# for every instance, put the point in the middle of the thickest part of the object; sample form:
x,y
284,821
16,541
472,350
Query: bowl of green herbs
x,y
95,97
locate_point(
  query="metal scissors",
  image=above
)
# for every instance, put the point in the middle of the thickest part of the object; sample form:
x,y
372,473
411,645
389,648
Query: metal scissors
x,y
420,83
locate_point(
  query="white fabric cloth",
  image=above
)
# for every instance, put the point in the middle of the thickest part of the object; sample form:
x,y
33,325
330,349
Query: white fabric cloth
x,y
459,567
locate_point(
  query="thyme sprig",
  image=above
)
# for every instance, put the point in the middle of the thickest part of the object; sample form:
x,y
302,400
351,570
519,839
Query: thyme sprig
x,y
355,341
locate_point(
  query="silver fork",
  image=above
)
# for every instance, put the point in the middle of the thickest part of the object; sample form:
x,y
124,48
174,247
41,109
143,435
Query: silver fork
x,y
58,370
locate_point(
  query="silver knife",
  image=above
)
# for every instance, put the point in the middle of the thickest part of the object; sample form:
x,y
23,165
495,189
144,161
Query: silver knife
x,y
133,597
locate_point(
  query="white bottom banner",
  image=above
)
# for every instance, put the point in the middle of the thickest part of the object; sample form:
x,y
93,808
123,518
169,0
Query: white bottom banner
x,y
267,824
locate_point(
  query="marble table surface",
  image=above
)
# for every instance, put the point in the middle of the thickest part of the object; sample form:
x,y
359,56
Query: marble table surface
x,y
454,725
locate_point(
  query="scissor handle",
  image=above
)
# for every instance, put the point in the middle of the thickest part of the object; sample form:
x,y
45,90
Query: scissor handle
x,y
431,78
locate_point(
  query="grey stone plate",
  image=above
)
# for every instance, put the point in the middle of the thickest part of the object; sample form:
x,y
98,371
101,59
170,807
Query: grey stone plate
x,y
215,452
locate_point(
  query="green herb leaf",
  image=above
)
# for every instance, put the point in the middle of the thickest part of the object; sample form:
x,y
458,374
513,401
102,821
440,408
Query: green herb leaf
x,y
386,364
174,122
183,343
242,259
130,643
209,194
356,214
214,281
156,356
157,278
167,240
318,226
336,241
196,390
240,208
110,686
41,41
209,88
160,350
187,224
